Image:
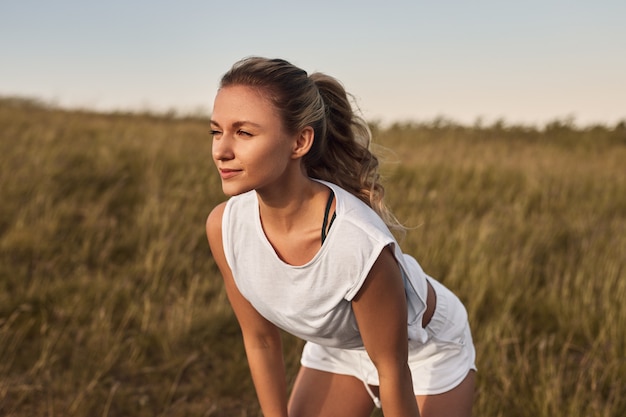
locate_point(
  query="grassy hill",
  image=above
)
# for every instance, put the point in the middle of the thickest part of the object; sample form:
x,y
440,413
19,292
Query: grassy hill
x,y
110,303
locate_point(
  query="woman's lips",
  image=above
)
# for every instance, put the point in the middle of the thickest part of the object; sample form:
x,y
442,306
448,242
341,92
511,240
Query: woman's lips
x,y
226,173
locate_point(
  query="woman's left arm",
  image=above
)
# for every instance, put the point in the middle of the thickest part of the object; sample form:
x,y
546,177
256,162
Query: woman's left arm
x,y
381,313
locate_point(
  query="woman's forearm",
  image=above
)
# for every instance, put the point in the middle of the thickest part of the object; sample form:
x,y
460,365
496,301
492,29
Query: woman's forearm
x,y
268,374
396,393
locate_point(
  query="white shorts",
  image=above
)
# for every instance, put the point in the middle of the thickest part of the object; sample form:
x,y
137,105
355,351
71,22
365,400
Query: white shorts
x,y
437,366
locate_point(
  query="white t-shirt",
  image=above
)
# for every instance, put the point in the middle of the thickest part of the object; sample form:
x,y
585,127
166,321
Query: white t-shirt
x,y
313,301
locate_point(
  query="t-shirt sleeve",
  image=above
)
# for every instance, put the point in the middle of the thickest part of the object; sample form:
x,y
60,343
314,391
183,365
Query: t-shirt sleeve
x,y
368,262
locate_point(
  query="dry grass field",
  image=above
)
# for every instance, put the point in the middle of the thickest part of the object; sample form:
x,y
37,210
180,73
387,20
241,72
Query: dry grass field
x,y
111,306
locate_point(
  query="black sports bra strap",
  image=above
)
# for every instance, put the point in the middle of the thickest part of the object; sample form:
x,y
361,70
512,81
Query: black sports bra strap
x,y
326,225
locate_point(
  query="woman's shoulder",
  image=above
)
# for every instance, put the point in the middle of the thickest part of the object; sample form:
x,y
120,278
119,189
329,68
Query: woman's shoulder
x,y
346,198
351,210
214,220
224,210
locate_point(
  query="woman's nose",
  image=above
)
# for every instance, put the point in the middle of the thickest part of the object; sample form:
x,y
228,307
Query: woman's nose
x,y
222,148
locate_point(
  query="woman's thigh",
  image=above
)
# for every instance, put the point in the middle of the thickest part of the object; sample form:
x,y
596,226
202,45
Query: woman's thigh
x,y
324,394
455,403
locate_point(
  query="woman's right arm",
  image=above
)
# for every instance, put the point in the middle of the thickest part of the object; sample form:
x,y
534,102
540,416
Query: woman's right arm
x,y
262,340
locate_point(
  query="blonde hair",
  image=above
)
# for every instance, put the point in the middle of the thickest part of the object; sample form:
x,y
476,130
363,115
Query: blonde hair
x,y
340,153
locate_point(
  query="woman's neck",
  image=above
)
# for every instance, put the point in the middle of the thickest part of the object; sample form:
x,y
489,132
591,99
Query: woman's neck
x,y
291,204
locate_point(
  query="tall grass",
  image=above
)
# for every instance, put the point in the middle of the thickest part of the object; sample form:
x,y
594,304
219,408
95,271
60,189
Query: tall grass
x,y
110,303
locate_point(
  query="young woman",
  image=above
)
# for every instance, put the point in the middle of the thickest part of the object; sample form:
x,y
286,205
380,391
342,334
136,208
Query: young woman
x,y
304,245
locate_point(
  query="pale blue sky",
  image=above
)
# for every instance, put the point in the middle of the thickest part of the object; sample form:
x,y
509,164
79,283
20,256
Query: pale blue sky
x,y
527,62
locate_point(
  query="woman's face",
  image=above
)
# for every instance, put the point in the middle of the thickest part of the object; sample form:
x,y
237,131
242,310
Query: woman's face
x,y
250,147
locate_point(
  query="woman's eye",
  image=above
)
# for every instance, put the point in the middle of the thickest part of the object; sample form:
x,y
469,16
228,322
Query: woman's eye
x,y
215,132
244,133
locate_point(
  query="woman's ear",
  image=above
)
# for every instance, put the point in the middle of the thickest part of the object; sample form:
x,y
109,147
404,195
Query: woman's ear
x,y
303,142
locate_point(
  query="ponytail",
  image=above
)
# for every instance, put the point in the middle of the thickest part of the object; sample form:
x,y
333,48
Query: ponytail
x,y
346,159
